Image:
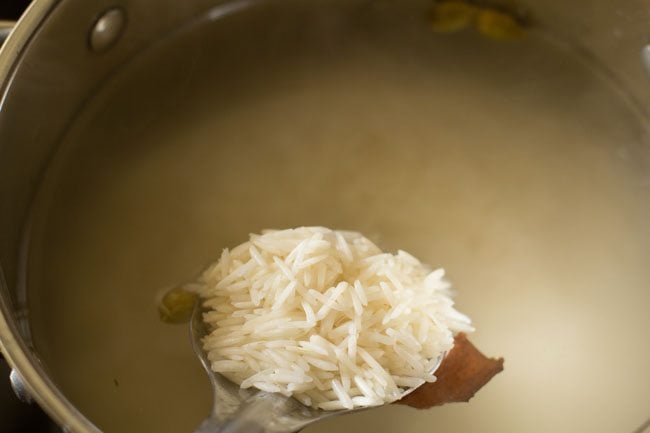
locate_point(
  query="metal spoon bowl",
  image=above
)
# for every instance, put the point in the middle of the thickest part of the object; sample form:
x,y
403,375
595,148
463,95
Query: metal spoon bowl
x,y
237,410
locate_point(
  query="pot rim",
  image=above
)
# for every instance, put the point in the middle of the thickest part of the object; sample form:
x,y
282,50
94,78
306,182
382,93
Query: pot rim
x,y
12,345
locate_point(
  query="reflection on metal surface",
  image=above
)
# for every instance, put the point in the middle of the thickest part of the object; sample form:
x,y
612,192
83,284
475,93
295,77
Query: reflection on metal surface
x,y
5,29
107,30
19,387
645,56
223,10
16,416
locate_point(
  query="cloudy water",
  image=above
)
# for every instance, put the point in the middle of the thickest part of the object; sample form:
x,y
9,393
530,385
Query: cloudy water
x,y
516,166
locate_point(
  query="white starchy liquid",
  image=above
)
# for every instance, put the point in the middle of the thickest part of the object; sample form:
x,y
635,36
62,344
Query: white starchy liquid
x,y
514,166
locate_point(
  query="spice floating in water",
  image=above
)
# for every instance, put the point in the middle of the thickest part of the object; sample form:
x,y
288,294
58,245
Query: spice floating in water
x,y
494,20
176,305
499,25
452,16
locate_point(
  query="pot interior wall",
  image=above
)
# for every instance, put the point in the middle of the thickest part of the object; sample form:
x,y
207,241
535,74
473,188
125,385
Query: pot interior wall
x,y
520,167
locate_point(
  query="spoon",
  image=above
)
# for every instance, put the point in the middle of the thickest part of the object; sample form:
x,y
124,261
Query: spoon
x,y
237,410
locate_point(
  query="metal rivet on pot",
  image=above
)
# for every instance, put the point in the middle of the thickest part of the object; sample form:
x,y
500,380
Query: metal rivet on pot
x,y
107,30
19,387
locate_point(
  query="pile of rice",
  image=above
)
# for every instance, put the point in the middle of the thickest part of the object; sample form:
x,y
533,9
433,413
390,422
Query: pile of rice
x,y
326,317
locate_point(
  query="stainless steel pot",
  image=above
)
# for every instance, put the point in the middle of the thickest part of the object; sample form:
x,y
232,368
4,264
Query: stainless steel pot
x,y
62,51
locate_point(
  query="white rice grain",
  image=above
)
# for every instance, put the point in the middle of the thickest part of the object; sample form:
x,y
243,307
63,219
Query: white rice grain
x,y
327,317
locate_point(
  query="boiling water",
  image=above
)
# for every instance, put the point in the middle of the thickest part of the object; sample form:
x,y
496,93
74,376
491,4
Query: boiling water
x,y
518,167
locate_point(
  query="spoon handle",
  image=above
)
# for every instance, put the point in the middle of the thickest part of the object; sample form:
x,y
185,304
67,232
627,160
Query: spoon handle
x,y
262,413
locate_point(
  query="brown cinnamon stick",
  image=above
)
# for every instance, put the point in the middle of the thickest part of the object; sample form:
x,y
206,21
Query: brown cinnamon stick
x,y
462,373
